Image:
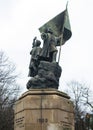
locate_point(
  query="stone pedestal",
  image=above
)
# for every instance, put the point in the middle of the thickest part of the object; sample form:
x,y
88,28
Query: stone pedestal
x,y
44,109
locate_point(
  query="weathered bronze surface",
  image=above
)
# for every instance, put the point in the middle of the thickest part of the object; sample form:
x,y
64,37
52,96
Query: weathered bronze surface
x,y
44,68
47,77
34,62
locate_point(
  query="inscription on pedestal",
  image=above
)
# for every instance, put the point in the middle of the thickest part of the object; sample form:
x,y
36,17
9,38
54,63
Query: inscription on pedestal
x,y
19,122
42,120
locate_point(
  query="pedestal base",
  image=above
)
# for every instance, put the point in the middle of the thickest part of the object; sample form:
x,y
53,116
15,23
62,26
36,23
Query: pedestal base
x,y
43,109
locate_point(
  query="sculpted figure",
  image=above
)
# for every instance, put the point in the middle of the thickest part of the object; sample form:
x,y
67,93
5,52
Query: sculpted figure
x,y
35,52
44,70
49,50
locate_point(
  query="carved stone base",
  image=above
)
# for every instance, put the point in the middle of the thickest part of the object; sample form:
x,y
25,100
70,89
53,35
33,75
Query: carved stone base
x,y
47,77
41,109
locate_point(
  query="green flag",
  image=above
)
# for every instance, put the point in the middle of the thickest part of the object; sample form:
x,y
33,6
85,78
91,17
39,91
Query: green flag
x,y
60,24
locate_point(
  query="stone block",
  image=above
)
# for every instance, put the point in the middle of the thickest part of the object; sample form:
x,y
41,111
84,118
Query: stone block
x,y
44,109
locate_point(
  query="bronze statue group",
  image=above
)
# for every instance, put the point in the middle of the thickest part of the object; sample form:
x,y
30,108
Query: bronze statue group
x,y
47,53
44,68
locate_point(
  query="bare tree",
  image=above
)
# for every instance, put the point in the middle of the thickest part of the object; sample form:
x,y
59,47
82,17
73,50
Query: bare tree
x,y
9,90
80,95
88,98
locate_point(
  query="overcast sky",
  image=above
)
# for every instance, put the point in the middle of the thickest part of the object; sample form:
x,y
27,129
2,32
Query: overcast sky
x,y
19,23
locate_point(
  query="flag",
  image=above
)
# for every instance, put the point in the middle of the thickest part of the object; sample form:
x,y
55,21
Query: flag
x,y
60,24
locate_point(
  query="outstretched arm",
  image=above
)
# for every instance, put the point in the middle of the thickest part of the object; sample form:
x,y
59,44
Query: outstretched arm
x,y
34,40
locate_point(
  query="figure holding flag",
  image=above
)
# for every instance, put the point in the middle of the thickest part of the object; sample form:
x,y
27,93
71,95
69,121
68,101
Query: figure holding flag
x,y
49,50
60,32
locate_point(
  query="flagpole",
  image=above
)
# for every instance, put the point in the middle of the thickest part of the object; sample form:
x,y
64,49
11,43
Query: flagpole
x,y
61,41
60,48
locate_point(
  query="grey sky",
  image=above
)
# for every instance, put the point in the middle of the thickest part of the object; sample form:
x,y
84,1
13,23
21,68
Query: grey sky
x,y
19,23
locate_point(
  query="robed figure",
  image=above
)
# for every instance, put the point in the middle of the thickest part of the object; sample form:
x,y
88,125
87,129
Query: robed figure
x,y
49,50
34,62
55,33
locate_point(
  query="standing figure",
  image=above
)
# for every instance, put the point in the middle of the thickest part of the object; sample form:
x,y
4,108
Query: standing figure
x,y
49,50
34,62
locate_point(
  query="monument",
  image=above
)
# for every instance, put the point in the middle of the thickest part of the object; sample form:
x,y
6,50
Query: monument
x,y
43,106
